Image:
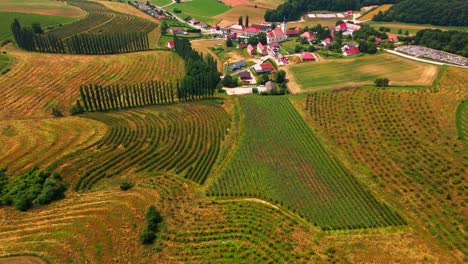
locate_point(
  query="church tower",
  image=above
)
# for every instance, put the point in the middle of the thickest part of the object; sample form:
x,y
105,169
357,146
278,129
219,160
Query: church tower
x,y
283,25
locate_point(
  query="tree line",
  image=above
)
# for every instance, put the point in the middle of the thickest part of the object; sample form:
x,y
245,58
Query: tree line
x,y
294,9
435,12
449,41
34,39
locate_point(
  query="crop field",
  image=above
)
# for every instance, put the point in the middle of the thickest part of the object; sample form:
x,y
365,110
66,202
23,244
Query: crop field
x,y
203,46
184,138
203,10
27,19
462,121
43,7
279,159
396,139
374,12
101,19
354,72
40,81
412,28
231,16
5,62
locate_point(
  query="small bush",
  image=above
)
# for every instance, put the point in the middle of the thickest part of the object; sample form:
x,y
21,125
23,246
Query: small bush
x,y
147,236
125,185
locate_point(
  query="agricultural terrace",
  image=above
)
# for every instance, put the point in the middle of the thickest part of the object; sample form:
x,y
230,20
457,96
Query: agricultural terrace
x,y
183,138
462,121
396,139
375,11
46,21
202,10
279,159
231,16
354,72
203,46
42,7
26,143
37,81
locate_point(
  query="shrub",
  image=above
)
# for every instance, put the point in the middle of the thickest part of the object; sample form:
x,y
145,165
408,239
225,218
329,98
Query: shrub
x,y
125,185
381,82
56,112
153,218
147,236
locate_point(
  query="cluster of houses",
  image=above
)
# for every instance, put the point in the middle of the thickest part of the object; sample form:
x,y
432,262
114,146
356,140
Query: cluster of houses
x,y
276,35
152,11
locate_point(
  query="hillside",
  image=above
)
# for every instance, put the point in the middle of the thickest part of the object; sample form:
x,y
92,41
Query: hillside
x,y
435,12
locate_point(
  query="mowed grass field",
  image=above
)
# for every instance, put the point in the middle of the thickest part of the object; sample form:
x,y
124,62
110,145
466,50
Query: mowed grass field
x,y
279,159
270,3
44,7
27,19
406,144
374,12
37,82
231,16
203,10
357,71
412,28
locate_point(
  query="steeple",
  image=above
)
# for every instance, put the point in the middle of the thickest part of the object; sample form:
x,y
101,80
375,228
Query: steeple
x,y
283,25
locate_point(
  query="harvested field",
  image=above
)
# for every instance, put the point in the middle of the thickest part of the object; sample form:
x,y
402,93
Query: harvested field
x,y
268,3
263,5
354,72
232,16
204,45
397,139
22,260
42,7
37,82
5,62
26,143
374,12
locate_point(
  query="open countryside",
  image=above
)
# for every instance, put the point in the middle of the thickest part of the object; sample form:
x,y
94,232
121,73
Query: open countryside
x,y
233,131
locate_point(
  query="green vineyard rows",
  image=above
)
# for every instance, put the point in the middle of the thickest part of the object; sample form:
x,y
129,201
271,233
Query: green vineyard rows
x,y
395,135
280,159
183,138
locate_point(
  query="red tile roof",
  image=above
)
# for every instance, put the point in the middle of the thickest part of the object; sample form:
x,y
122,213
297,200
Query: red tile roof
x,y
307,35
266,66
252,30
352,51
307,56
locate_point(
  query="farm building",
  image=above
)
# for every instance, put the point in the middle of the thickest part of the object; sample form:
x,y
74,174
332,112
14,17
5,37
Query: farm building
x,y
307,35
307,56
261,49
245,76
170,44
238,29
261,27
251,31
251,50
265,67
350,52
292,32
237,65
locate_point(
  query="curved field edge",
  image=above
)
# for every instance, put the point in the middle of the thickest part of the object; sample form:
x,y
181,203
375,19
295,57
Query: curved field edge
x,y
280,160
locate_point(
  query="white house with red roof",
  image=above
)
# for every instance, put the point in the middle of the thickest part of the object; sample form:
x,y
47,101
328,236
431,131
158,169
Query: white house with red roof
x,y
238,29
326,42
251,50
307,56
276,35
307,35
251,31
350,52
262,49
171,44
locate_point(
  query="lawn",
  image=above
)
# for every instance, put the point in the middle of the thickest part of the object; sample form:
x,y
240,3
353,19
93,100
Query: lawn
x,y
412,28
203,10
279,159
352,72
26,20
159,2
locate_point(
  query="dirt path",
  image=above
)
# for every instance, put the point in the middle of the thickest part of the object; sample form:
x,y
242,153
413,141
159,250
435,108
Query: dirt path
x,y
293,85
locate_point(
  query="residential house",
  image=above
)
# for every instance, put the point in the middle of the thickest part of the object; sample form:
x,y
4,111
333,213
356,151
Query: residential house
x,y
261,27
326,42
262,49
202,25
251,50
161,17
237,65
309,36
347,46
171,44
273,48
378,41
264,67
307,56
193,21
245,76
276,35
292,32
177,31
350,52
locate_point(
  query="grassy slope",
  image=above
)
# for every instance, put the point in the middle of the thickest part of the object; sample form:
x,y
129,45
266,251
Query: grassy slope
x,y
405,144
43,7
271,3
46,80
462,120
280,159
412,28
203,10
5,62
26,20
335,73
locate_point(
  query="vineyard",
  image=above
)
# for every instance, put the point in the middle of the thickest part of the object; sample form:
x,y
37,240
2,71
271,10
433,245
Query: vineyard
x,y
462,120
279,159
183,138
39,82
395,138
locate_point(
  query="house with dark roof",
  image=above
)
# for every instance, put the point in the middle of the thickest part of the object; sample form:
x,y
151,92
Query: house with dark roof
x,y
261,27
292,32
237,65
245,76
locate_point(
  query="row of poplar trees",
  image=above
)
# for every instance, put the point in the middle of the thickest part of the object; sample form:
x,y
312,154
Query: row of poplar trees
x,y
200,82
109,43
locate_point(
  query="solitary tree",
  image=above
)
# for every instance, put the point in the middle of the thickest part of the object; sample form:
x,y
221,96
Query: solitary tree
x,y
240,21
246,21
